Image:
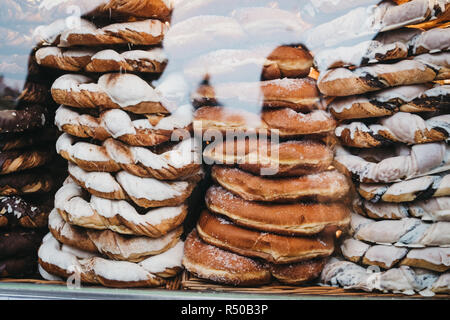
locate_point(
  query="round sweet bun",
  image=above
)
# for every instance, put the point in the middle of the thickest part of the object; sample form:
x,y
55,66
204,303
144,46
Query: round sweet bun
x,y
289,158
323,186
212,263
298,273
268,246
287,219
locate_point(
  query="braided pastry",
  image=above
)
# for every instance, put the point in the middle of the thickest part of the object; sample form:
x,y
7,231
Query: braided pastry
x,y
18,160
116,215
409,190
63,261
436,209
152,60
117,124
289,158
111,91
286,122
392,45
440,62
401,127
27,139
322,187
145,32
238,64
26,213
402,164
175,162
294,219
403,280
298,94
386,256
406,232
212,263
144,192
108,243
345,82
414,98
26,182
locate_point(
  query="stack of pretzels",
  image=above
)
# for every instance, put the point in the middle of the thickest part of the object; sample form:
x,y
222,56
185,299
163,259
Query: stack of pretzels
x,y
275,204
386,84
133,167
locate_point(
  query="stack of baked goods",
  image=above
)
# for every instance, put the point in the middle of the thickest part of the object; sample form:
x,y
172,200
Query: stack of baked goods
x,y
276,202
118,219
392,104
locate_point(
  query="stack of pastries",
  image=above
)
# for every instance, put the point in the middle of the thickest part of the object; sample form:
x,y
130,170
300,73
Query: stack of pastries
x,y
276,202
132,164
387,88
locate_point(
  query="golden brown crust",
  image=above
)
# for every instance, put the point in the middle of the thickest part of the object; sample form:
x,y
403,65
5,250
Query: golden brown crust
x,y
268,246
287,219
297,273
17,160
324,186
291,158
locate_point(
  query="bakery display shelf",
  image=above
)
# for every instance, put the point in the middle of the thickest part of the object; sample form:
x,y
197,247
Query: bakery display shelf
x,y
185,287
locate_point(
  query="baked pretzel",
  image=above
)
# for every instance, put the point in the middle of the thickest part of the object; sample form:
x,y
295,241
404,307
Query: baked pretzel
x,y
413,98
26,182
117,215
145,32
435,209
401,127
271,247
289,158
346,82
144,192
238,64
16,211
406,232
110,244
174,162
322,187
296,219
18,160
112,91
151,61
64,261
118,124
403,163
409,190
387,257
285,122
298,94
212,263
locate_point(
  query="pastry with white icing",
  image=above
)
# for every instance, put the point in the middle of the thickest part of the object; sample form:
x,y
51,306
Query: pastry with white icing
x,y
79,208
144,131
402,127
418,188
440,62
412,98
63,261
171,163
110,244
392,165
111,91
144,192
108,60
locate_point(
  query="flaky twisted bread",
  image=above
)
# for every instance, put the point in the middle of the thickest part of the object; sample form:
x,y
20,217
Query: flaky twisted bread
x,y
403,164
117,215
387,257
118,124
178,161
64,261
112,91
435,209
413,98
401,127
409,190
403,280
16,211
406,232
108,243
144,192
18,160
